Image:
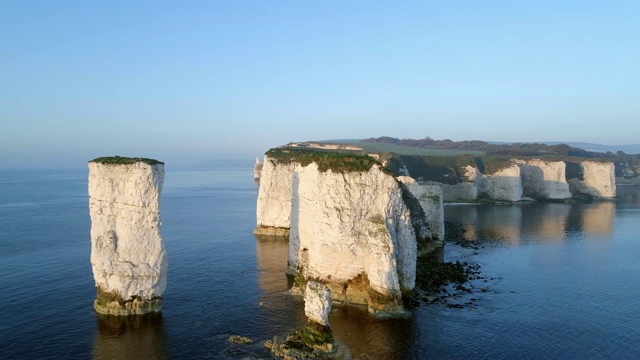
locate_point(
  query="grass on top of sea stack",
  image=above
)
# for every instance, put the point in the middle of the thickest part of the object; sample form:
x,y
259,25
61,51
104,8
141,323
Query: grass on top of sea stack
x,y
336,161
123,160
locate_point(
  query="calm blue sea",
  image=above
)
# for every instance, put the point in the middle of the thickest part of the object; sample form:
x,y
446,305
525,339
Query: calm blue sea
x,y
561,279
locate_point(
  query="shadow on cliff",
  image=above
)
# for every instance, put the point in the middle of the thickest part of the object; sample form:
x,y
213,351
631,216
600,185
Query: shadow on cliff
x,y
294,227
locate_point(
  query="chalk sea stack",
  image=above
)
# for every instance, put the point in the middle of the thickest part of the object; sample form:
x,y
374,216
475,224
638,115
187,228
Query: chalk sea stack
x,y
128,258
351,224
317,303
315,340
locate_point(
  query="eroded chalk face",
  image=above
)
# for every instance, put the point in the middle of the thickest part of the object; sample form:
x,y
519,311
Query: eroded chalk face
x,y
317,303
350,229
128,258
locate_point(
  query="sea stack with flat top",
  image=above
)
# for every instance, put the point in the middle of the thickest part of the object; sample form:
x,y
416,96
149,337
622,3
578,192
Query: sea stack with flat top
x,y
128,258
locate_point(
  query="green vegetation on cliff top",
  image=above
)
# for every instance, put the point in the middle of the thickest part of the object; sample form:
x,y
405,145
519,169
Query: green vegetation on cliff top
x,y
337,161
123,160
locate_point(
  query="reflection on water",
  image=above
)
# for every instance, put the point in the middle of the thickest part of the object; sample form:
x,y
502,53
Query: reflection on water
x,y
598,218
533,222
368,337
129,337
282,312
272,254
352,326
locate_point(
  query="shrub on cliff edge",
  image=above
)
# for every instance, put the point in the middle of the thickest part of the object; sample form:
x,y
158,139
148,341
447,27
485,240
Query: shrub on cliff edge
x,y
123,160
341,162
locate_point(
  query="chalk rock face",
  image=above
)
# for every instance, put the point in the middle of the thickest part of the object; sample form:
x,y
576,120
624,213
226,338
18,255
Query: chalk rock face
x,y
128,257
627,174
503,185
430,197
317,303
598,180
464,191
544,179
354,232
274,198
257,170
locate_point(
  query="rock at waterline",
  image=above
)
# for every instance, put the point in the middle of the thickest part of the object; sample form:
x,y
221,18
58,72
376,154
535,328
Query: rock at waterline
x,y
317,303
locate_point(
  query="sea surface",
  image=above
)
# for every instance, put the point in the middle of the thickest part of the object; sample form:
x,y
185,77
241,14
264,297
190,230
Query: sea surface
x,y
560,281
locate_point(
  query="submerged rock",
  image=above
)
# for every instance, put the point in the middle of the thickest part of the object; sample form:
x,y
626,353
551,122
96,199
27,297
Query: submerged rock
x,y
237,339
128,257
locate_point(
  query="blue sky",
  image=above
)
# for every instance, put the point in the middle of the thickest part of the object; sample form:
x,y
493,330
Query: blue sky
x,y
185,82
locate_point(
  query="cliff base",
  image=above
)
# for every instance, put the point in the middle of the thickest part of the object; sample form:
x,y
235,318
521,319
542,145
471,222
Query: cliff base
x,y
109,303
271,231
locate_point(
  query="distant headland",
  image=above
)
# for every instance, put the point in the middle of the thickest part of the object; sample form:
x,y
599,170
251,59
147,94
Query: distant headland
x,y
359,213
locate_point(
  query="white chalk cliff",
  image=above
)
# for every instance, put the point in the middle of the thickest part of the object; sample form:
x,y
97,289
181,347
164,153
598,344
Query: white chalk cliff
x,y
274,198
430,197
544,179
464,191
257,170
599,180
353,231
317,303
128,257
533,178
502,185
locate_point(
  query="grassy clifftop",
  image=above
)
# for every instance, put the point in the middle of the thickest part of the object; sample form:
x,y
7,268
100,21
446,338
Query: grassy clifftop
x,y
123,160
335,161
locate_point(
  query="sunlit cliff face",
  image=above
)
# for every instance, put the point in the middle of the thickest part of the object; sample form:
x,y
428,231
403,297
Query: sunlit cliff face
x,y
351,230
128,258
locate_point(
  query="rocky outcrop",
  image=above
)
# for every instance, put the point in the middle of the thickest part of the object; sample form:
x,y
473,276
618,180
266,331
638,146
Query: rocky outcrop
x,y
315,340
430,198
128,257
627,173
470,179
501,185
274,198
257,170
356,230
594,179
544,180
317,303
467,190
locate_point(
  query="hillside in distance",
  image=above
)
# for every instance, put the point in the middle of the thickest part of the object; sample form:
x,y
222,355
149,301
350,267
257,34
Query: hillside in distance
x,y
428,146
627,165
